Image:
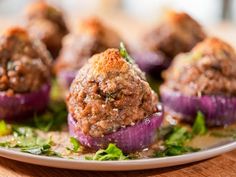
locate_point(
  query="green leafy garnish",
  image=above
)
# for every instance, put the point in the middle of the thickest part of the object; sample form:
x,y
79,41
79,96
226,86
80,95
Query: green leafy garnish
x,y
110,153
23,131
4,128
124,53
199,126
53,118
175,138
164,131
41,149
75,143
179,136
28,141
173,150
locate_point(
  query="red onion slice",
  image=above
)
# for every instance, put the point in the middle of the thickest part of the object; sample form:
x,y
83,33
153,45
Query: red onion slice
x,y
129,139
20,106
66,77
218,110
152,63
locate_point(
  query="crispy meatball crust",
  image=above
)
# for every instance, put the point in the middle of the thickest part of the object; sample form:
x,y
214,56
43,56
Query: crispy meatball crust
x,y
176,34
46,23
109,93
24,63
209,69
91,37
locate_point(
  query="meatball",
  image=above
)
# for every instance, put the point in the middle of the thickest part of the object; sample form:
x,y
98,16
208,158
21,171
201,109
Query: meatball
x,y
178,33
24,63
209,69
46,23
91,37
109,93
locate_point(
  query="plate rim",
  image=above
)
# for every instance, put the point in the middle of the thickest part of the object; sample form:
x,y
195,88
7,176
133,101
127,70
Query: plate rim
x,y
122,165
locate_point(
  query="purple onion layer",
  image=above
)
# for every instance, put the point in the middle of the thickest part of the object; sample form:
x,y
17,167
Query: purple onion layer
x,y
66,77
21,106
218,110
153,63
129,139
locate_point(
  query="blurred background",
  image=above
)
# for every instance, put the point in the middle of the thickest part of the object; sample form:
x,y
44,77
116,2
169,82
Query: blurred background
x,y
218,16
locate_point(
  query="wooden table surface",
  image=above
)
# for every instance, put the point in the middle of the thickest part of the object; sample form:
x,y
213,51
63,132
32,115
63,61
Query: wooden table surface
x,y
221,166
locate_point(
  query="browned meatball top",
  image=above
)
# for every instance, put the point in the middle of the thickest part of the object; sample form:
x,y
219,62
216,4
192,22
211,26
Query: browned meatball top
x,y
46,23
209,69
91,37
24,63
178,33
109,93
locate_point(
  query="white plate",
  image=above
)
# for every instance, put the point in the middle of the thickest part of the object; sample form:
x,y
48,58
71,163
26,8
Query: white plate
x,y
116,165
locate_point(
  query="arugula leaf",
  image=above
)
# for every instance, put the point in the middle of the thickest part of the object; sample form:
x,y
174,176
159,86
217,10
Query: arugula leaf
x,y
124,53
75,143
112,152
199,126
4,128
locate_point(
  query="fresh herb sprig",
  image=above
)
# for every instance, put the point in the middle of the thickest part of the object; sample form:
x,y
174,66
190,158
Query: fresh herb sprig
x,y
125,54
112,152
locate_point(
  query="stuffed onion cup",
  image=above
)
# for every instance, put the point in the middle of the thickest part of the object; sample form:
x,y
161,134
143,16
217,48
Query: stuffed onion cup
x,y
24,75
203,80
110,101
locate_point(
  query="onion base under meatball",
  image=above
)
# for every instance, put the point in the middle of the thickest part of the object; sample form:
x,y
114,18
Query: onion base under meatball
x,y
18,107
129,139
218,110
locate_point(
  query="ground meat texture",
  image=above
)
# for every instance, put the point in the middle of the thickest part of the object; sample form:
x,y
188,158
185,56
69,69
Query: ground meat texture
x,y
91,37
46,23
109,93
176,34
209,69
24,63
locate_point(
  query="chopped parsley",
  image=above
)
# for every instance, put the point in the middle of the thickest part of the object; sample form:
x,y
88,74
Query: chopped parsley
x,y
176,137
175,140
124,53
28,141
112,152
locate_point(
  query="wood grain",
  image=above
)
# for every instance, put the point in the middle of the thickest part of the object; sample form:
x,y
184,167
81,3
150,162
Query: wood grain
x,y
221,166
